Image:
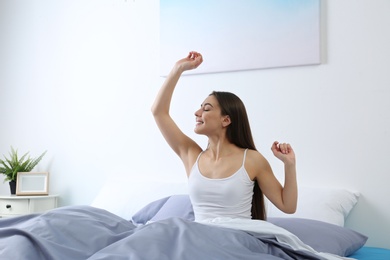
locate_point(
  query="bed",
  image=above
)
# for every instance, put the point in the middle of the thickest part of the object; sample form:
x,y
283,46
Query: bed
x,y
160,225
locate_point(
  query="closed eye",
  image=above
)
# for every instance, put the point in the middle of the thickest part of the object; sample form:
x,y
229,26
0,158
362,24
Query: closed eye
x,y
207,106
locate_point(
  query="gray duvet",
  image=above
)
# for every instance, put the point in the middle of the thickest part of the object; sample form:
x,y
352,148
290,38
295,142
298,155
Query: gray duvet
x,y
84,232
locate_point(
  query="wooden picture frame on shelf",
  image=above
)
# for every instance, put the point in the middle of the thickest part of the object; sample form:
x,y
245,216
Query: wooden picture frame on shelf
x,y
32,183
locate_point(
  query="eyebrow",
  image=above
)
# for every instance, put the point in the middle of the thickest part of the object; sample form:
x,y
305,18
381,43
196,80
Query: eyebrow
x,y
205,104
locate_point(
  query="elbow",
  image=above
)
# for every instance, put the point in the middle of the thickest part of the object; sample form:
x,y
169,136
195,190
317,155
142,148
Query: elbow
x,y
287,209
158,110
154,110
159,114
290,210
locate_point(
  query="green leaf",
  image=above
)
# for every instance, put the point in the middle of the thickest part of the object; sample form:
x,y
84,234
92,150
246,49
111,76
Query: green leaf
x,y
12,165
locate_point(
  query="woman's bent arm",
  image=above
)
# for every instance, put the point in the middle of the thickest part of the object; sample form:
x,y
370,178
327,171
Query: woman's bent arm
x,y
283,197
177,140
286,154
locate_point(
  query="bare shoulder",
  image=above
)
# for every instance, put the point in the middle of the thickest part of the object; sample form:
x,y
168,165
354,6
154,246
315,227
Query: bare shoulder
x,y
255,163
255,157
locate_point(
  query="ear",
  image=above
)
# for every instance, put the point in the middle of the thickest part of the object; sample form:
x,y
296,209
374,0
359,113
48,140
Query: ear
x,y
226,121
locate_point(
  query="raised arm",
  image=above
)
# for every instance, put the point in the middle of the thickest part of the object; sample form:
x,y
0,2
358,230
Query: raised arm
x,y
181,144
283,197
286,154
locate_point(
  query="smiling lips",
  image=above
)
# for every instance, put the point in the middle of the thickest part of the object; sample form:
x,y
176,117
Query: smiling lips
x,y
199,122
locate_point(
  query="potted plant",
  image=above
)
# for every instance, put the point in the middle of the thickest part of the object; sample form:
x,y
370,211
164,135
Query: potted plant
x,y
12,165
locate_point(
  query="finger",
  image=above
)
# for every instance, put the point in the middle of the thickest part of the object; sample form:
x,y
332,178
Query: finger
x,y
200,59
283,148
275,146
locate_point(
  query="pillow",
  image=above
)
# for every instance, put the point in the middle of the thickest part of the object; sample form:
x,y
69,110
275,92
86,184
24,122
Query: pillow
x,y
330,205
173,206
149,211
125,198
322,236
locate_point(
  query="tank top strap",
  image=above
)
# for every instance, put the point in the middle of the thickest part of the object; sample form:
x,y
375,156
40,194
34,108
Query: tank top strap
x,y
197,159
243,160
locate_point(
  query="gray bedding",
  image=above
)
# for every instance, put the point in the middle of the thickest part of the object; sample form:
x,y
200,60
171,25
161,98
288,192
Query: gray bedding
x,y
84,232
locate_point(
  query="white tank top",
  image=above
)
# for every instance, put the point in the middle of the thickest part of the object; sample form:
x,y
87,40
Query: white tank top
x,y
226,197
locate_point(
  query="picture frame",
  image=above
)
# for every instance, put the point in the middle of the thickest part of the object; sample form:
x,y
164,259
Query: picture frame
x,y
241,35
32,183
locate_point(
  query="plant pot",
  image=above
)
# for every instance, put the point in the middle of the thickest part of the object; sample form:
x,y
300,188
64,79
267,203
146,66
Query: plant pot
x,y
12,186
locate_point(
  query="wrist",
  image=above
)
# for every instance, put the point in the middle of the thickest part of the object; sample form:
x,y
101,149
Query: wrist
x,y
178,68
289,163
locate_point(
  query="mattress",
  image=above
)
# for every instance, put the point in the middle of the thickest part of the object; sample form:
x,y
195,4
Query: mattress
x,y
371,253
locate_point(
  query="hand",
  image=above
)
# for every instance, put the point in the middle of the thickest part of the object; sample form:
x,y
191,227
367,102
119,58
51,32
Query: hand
x,y
283,152
192,61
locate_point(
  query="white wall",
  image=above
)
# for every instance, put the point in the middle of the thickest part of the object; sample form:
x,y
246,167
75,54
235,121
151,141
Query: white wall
x,y
77,78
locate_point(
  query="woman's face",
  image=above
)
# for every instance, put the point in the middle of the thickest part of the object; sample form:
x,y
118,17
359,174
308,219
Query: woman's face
x,y
208,117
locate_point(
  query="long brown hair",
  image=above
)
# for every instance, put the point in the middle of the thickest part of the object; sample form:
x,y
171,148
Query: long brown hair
x,y
240,134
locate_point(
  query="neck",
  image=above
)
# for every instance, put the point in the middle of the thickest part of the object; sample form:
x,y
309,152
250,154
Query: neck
x,y
219,148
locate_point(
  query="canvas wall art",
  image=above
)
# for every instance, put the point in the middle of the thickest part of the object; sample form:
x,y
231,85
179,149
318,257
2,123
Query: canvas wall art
x,y
240,35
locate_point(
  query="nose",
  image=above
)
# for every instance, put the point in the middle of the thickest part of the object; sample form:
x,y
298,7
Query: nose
x,y
198,112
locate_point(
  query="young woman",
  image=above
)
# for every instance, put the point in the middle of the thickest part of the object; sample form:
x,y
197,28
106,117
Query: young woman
x,y
229,178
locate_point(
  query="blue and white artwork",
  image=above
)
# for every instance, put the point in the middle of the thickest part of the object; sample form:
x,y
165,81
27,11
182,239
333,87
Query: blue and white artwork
x,y
240,35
